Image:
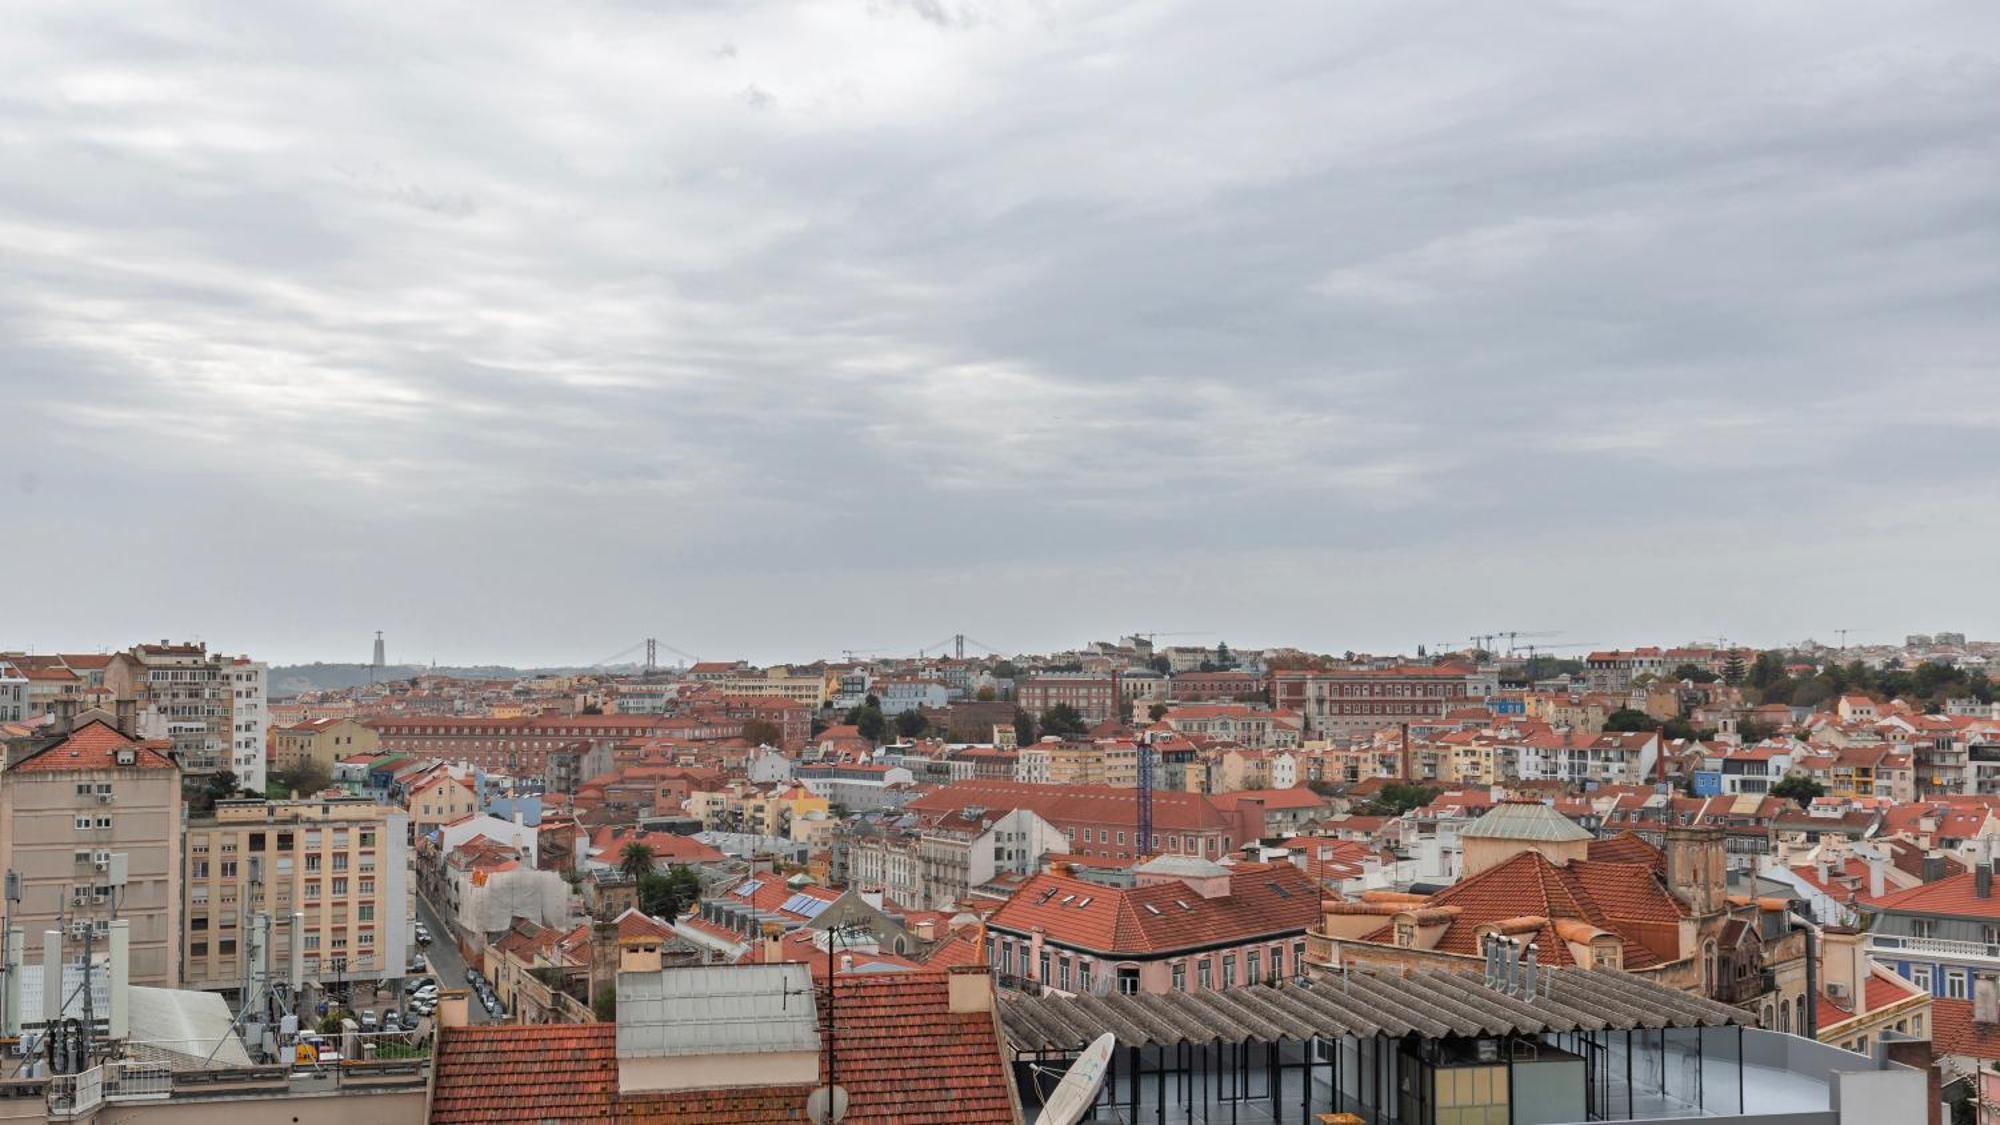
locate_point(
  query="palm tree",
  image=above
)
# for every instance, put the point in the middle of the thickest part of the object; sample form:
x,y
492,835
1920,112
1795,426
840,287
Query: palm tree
x,y
636,859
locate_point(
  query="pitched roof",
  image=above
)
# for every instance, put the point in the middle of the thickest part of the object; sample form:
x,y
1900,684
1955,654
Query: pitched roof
x,y
1626,899
1628,847
1953,1031
94,746
525,1072
1524,820
1953,894
1263,898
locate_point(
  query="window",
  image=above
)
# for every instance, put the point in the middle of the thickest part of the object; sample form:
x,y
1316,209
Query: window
x,y
1278,961
1180,976
1954,984
1920,975
1923,927
1229,970
1252,964
1083,975
1044,978
83,824
1128,980
1203,975
1062,969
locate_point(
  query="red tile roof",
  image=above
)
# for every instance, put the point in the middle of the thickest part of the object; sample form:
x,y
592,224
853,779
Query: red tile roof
x,y
1264,899
958,1077
525,1072
1953,894
1628,847
94,746
1953,1031
1626,899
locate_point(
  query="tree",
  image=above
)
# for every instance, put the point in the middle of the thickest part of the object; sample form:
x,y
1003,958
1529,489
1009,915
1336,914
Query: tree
x,y
306,778
763,732
604,1004
1025,730
1626,719
1751,731
1684,730
592,709
912,724
1734,666
1161,665
1695,673
1397,798
871,724
1224,660
1156,712
986,694
636,859
1005,670
1063,720
217,786
668,895
1799,788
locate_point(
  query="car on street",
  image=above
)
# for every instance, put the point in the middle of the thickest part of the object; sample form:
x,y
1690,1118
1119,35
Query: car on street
x,y
367,1020
392,1022
472,976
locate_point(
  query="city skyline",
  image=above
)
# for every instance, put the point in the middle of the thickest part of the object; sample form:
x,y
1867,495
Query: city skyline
x,y
1373,325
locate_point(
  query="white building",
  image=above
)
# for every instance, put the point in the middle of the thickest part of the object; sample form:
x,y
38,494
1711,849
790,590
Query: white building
x,y
249,720
13,694
898,696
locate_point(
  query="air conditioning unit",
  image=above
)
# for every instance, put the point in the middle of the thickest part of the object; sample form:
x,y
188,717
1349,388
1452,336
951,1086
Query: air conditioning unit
x,y
79,898
104,798
1837,989
102,865
79,928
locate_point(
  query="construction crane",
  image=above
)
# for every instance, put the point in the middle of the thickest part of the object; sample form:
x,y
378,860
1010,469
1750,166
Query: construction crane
x,y
1185,633
1513,635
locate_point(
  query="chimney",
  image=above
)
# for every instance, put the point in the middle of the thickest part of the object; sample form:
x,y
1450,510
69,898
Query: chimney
x,y
969,988
1986,1001
1933,866
603,959
774,948
926,930
451,1009
1877,876
847,962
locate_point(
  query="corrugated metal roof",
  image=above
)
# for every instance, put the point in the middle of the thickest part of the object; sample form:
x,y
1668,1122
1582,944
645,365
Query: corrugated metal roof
x,y
717,1010
1431,1004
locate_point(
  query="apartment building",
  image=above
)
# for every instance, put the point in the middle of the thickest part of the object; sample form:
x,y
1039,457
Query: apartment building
x,y
810,686
1352,701
1094,696
248,684
340,866
13,693
68,806
521,747
322,741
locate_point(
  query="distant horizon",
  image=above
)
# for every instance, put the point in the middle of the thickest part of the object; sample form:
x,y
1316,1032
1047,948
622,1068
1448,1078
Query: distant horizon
x,y
1558,650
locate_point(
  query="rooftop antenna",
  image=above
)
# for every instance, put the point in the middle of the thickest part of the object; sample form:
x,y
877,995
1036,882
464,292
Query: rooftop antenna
x,y
1145,750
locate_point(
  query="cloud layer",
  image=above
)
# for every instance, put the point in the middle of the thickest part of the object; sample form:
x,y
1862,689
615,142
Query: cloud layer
x,y
523,331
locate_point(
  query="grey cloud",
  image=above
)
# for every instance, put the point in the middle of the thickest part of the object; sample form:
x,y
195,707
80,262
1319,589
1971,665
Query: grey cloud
x,y
1315,324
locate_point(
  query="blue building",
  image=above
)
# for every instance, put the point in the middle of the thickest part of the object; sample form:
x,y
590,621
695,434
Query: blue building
x,y
1941,934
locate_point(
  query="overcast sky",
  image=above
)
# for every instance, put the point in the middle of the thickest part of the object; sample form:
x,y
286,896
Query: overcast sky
x,y
525,331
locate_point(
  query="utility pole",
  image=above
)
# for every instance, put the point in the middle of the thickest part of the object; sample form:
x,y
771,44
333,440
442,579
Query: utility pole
x,y
1145,750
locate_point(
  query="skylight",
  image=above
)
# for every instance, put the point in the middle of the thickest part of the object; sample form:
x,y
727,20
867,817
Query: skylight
x,y
1083,902
1278,890
1152,908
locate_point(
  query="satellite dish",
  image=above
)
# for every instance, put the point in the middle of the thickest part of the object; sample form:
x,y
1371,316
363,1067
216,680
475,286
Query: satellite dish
x,y
1072,1097
827,1105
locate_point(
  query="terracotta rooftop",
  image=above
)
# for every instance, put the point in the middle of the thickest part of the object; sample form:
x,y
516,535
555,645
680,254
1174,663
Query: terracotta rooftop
x,y
94,746
525,1072
1263,899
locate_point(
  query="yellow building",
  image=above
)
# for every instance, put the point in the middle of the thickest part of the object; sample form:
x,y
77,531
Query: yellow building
x,y
341,865
438,798
322,741
807,686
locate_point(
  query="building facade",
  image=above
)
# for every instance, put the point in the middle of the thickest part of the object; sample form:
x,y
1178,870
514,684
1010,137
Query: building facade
x,y
74,810
341,866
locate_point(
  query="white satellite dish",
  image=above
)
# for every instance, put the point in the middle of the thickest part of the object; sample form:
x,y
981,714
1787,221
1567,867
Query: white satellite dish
x,y
1071,1098
826,1105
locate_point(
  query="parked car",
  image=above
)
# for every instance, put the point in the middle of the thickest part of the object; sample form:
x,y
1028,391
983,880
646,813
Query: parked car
x,y
367,1020
416,984
392,1022
472,976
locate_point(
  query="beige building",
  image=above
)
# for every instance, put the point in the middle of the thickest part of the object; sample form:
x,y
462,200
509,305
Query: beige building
x,y
438,798
324,741
69,808
810,686
341,864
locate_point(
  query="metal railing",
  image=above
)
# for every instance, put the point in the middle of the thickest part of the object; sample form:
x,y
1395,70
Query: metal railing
x,y
72,1095
132,1080
1944,946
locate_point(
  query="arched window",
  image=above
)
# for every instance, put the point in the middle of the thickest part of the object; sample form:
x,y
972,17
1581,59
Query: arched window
x,y
1708,968
1784,1017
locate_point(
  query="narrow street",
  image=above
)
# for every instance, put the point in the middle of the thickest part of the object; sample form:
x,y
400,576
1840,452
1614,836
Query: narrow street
x,y
446,963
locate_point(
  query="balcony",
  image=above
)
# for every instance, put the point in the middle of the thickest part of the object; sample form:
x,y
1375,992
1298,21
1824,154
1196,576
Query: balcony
x,y
1940,947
